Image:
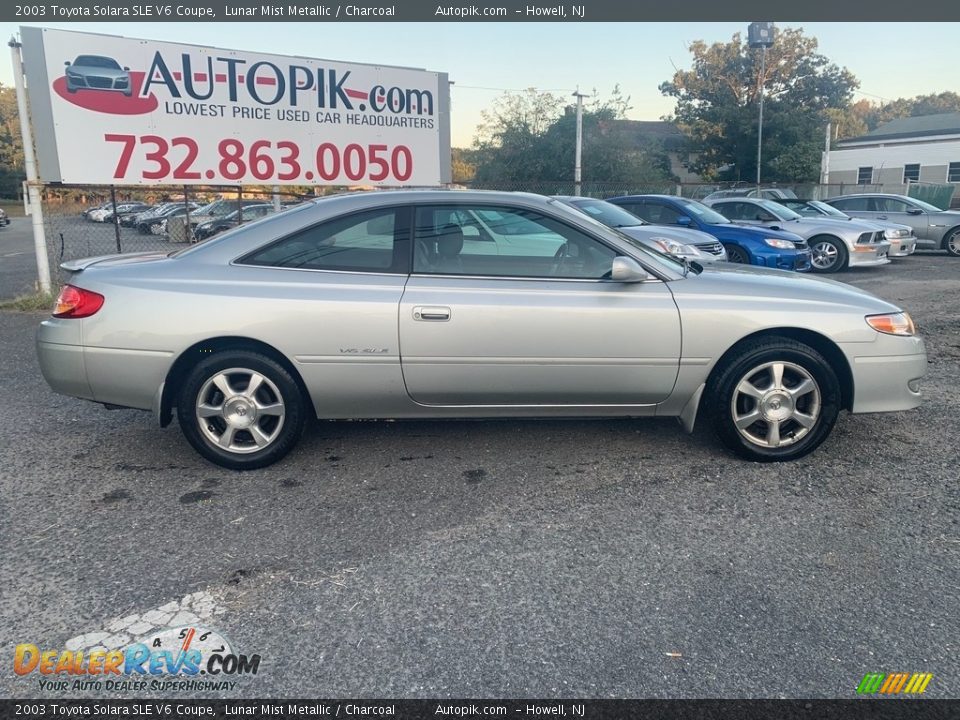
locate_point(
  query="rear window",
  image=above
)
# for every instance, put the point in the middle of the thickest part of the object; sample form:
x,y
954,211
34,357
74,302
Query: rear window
x,y
373,241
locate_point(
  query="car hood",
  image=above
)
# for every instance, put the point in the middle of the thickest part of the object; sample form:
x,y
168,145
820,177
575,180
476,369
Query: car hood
x,y
684,235
756,284
754,231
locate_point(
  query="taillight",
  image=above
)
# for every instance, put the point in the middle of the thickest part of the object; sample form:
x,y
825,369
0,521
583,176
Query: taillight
x,y
74,302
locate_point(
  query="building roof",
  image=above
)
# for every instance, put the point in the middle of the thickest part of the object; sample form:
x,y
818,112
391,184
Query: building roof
x,y
911,127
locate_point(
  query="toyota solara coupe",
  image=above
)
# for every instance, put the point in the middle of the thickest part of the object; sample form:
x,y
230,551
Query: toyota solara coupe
x,y
393,305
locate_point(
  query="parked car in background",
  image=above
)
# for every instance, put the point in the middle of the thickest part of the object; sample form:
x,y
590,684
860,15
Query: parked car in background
x,y
679,242
124,209
568,318
178,231
134,219
935,229
747,245
901,238
86,213
216,226
833,246
4,218
156,224
767,193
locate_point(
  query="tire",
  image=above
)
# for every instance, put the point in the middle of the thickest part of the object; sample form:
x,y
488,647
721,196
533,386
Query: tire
x,y
951,243
745,387
827,254
737,254
226,425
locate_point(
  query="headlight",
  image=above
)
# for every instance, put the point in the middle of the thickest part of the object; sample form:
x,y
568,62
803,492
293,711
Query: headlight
x,y
780,244
892,324
674,247
893,233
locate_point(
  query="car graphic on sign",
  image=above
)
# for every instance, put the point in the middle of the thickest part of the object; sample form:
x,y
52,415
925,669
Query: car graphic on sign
x,y
97,72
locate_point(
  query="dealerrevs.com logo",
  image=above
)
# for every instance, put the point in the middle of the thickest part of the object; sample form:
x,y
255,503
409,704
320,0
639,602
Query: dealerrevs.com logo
x,y
171,659
103,84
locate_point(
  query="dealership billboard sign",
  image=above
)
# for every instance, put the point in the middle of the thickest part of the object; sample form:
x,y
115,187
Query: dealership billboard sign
x,y
120,111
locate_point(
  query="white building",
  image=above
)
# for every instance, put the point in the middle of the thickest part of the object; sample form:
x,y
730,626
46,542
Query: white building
x,y
925,149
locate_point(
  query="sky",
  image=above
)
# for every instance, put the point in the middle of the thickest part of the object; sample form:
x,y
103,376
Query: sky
x,y
891,60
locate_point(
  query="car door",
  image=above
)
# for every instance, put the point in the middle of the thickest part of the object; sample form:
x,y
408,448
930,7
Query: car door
x,y
903,212
536,324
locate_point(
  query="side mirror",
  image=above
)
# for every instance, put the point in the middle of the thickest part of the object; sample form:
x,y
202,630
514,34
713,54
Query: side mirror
x,y
126,68
67,63
684,220
914,211
627,270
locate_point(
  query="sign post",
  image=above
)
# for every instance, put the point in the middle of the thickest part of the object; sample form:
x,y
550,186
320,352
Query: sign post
x,y
35,210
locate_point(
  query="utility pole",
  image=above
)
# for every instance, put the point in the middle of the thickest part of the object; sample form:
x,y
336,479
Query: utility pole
x,y
760,35
579,151
30,165
825,162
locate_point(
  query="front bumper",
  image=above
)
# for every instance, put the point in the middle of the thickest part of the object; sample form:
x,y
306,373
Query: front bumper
x,y
886,373
797,260
902,247
870,255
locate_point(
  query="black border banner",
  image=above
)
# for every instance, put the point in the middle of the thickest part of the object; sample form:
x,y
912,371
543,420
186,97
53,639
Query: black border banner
x,y
578,11
290,709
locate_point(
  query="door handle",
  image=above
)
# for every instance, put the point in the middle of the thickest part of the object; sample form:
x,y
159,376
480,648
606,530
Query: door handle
x,y
431,313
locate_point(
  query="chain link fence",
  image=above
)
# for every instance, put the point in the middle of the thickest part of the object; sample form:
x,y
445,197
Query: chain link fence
x,y
88,221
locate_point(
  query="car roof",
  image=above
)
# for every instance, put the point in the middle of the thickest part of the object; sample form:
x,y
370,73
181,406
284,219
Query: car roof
x,y
883,195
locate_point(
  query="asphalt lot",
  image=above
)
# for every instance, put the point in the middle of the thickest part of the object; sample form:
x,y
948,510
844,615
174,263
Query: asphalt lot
x,y
501,559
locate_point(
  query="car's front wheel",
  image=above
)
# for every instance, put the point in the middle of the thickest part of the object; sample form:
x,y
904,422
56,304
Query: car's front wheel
x,y
775,399
951,243
737,254
827,255
241,410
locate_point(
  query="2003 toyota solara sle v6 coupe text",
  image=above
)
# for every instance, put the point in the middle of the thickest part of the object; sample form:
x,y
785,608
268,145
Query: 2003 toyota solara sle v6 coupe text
x,y
464,304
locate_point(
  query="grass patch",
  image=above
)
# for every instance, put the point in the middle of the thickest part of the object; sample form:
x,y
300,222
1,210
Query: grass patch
x,y
36,302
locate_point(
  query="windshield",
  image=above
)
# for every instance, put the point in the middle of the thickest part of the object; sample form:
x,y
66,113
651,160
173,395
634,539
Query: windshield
x,y
784,213
607,213
702,212
97,62
827,209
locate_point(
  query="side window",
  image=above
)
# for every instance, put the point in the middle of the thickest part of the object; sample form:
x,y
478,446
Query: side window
x,y
657,213
730,210
890,205
859,204
512,242
372,241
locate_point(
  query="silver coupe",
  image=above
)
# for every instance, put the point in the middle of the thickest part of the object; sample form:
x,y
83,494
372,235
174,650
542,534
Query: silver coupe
x,y
447,304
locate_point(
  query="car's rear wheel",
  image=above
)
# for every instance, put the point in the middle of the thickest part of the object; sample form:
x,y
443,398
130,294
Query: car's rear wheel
x,y
827,255
775,399
241,410
737,254
951,243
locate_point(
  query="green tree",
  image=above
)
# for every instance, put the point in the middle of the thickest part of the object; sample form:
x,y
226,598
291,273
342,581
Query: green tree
x,y
11,147
531,137
718,99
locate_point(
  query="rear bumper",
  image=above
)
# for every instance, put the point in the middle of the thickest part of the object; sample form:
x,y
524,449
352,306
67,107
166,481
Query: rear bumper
x,y
114,376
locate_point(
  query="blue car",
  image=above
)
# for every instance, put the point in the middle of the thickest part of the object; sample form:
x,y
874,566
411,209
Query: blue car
x,y
747,245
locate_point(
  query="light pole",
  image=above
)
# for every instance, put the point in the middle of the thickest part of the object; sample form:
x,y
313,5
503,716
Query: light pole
x,y
579,151
760,35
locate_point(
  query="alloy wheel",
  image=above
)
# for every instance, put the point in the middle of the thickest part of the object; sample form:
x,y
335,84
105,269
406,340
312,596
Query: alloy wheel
x,y
824,255
776,404
240,410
